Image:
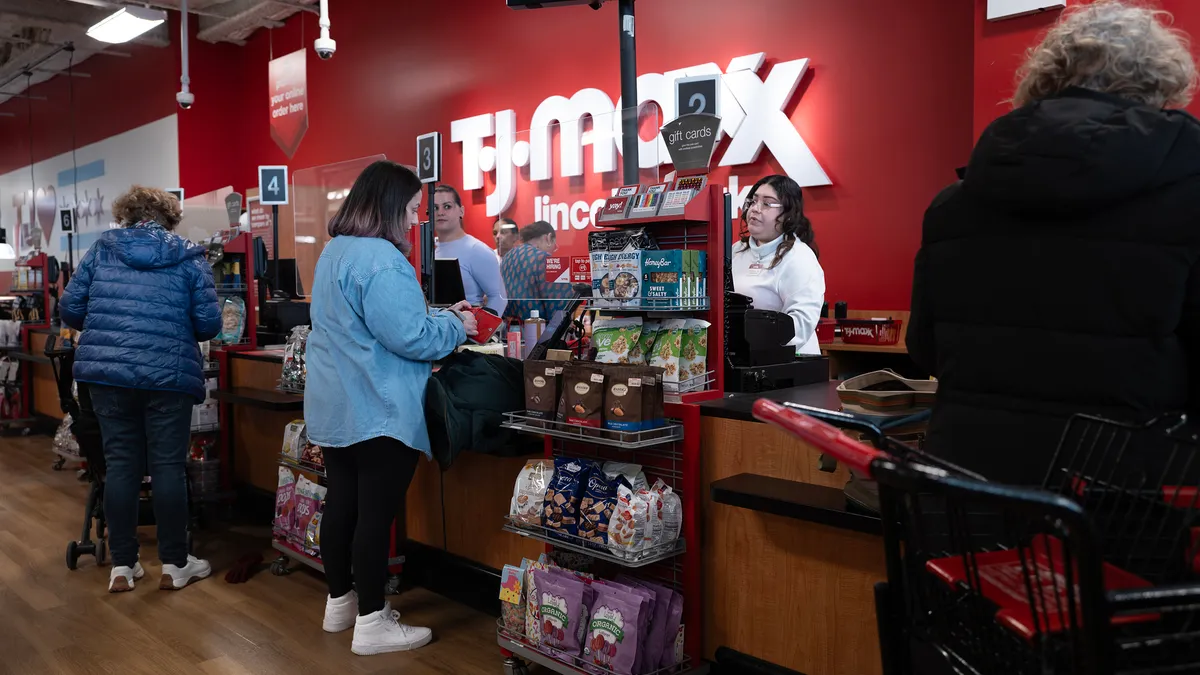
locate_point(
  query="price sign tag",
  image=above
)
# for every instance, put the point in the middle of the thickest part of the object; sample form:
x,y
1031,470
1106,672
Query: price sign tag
x,y
273,185
429,157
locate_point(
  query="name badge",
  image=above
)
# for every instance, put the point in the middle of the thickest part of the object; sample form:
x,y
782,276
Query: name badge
x,y
756,269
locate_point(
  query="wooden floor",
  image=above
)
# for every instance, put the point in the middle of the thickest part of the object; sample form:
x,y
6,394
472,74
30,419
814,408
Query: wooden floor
x,y
53,620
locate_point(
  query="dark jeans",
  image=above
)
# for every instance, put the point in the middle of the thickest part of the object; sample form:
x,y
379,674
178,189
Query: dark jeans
x,y
142,427
367,484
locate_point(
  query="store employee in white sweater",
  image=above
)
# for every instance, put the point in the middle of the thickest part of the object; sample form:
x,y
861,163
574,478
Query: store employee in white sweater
x,y
776,262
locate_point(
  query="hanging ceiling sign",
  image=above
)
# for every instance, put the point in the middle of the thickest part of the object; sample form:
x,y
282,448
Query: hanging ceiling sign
x,y
288,82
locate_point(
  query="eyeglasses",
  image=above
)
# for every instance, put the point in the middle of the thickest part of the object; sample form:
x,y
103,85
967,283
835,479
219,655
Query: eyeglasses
x,y
763,204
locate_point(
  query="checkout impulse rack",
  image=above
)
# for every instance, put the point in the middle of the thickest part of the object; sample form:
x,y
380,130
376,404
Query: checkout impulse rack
x,y
671,453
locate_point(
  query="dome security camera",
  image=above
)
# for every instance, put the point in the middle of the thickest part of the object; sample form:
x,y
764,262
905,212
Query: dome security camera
x,y
325,48
185,99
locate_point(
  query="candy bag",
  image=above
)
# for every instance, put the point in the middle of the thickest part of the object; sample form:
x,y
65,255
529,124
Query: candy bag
x,y
613,632
285,504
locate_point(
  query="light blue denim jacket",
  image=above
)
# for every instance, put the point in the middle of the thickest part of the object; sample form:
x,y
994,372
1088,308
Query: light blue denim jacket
x,y
372,345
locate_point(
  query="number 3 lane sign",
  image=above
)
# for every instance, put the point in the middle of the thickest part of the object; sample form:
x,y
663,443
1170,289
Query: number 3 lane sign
x,y
429,157
272,185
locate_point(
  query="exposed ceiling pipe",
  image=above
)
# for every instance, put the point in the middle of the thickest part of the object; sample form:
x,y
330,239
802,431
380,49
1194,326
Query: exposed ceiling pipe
x,y
107,4
184,98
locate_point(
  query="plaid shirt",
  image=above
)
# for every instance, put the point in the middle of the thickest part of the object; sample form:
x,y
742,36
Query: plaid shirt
x,y
524,272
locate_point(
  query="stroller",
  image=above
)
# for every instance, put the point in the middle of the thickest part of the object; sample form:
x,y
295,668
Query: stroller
x,y
86,430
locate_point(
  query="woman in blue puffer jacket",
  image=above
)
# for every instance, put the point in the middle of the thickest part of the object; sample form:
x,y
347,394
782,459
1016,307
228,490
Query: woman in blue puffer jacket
x,y
144,298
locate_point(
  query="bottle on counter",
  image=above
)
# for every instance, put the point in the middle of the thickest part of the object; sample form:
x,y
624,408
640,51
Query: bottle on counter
x,y
532,331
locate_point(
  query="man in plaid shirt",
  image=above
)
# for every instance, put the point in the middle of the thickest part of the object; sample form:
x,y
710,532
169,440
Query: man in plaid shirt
x,y
524,271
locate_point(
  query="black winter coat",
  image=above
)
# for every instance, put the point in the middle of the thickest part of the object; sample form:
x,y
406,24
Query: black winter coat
x,y
465,402
1060,276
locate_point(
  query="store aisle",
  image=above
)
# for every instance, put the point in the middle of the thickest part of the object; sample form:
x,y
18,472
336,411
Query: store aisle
x,y
53,620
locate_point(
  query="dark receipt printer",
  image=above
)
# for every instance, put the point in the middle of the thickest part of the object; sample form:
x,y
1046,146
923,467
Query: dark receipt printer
x,y
757,354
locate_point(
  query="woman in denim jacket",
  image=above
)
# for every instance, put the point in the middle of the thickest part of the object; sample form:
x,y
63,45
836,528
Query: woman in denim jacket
x,y
370,355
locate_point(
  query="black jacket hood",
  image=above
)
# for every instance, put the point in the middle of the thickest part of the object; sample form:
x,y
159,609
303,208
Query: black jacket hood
x,y
1081,152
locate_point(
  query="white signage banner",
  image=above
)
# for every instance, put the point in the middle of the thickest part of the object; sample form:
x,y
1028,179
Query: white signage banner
x,y
30,202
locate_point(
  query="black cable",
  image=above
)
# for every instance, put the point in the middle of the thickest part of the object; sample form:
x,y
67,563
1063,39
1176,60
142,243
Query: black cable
x,y
74,163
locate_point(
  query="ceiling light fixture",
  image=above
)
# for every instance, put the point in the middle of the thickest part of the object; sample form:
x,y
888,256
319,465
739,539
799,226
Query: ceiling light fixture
x,y
126,24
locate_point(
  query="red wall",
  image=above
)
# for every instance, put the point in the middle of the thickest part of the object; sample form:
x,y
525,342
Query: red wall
x,y
885,107
1000,47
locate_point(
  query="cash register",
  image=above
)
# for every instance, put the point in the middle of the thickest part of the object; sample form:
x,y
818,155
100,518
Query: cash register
x,y
757,354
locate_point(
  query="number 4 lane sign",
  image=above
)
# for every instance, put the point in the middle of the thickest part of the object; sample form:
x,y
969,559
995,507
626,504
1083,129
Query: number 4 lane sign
x,y
272,185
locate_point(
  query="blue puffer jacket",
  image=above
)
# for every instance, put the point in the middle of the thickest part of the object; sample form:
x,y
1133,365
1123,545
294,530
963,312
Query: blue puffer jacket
x,y
144,298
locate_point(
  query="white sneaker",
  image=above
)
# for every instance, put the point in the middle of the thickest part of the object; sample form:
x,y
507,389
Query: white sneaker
x,y
382,632
175,578
340,614
120,579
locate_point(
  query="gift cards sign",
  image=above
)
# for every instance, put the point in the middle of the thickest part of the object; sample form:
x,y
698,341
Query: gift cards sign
x,y
691,140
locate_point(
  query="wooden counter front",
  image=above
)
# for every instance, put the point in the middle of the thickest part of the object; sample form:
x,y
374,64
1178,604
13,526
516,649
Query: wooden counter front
x,y
794,593
475,491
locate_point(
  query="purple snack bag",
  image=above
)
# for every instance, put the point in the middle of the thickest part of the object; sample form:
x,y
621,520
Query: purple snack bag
x,y
561,602
613,632
642,664
674,619
657,639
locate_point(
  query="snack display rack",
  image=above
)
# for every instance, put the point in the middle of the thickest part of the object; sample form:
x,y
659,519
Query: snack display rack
x,y
240,249
24,414
674,457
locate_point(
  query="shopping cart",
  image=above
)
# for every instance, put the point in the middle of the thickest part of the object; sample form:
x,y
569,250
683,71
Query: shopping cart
x,y
75,400
1093,574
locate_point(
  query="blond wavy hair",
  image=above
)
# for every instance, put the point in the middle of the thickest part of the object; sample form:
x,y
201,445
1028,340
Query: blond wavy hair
x,y
1115,48
143,203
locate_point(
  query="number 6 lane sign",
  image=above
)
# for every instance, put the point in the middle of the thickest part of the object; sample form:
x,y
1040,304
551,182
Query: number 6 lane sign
x,y
429,157
272,185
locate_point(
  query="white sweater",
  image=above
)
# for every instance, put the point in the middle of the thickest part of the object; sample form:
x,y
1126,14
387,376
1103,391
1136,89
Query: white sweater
x,y
796,286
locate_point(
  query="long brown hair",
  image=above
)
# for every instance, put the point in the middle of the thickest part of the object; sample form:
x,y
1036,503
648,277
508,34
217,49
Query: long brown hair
x,y
792,222
377,205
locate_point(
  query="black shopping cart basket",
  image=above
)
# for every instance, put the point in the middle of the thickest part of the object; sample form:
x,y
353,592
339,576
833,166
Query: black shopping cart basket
x,y
1094,574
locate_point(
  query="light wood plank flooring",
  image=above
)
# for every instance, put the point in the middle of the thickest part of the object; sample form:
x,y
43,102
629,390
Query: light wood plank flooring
x,y
53,620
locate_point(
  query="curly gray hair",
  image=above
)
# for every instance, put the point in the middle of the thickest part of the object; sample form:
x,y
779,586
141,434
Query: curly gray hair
x,y
1115,48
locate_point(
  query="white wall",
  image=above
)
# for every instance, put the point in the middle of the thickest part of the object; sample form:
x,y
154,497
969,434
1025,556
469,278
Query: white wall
x,y
147,155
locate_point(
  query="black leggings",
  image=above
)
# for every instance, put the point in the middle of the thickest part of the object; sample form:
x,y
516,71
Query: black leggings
x,y
367,485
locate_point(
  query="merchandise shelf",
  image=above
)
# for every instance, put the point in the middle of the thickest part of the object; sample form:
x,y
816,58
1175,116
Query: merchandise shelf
x,y
628,440
307,467
580,545
567,664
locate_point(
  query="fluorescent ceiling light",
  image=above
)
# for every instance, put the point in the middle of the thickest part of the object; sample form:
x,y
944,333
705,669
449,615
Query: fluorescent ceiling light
x,y
126,24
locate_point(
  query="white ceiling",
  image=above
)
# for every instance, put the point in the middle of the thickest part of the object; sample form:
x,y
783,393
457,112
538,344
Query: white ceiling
x,y
32,32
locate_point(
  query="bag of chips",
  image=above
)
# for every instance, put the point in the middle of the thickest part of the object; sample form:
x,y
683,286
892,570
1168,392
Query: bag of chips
x,y
285,504
613,637
561,501
615,338
530,491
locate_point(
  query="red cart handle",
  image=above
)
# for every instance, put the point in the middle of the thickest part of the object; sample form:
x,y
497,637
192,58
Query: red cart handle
x,y
822,436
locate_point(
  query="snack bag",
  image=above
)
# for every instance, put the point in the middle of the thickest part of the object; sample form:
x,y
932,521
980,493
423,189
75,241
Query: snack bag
x,y
632,474
671,510
652,537
530,491
561,502
560,601
627,528
596,509
693,356
583,395
312,455
656,641
623,399
309,496
612,640
533,615
653,415
666,349
644,348
512,598
295,439
233,320
646,611
615,338
673,635
285,500
295,369
542,380
312,535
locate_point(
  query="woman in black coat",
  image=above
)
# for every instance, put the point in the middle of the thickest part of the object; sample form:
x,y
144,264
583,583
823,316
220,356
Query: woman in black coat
x,y
1061,274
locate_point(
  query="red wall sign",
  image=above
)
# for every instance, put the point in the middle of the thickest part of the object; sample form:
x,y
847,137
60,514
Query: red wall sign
x,y
288,81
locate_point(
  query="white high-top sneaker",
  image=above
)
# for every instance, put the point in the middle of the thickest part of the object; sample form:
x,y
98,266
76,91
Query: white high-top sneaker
x,y
382,632
121,579
340,613
175,578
